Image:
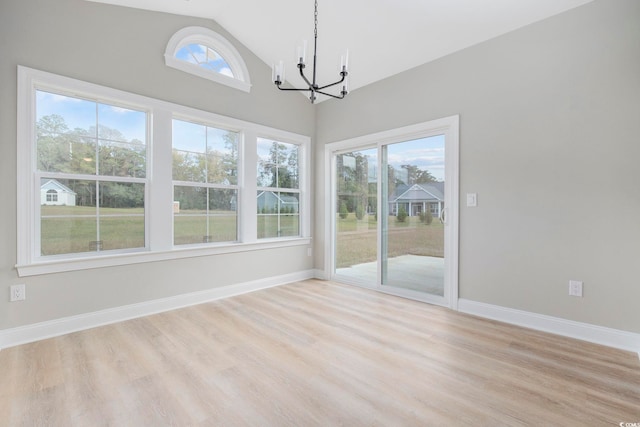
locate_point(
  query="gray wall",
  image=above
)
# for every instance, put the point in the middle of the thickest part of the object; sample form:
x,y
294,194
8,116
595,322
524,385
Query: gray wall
x,y
550,118
549,139
123,48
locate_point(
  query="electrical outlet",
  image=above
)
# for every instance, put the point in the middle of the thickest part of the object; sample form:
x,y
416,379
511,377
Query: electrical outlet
x,y
17,293
575,288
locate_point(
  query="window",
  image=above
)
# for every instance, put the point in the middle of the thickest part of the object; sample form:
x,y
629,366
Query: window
x,y
125,179
205,57
205,53
205,178
278,189
52,196
97,153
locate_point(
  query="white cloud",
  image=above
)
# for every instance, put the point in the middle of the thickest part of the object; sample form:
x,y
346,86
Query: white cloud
x,y
119,110
226,72
54,97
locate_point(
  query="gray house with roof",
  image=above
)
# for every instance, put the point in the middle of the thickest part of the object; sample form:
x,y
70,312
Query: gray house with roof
x,y
269,202
417,198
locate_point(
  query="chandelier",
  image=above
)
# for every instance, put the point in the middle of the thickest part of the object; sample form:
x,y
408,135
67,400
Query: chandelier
x,y
312,86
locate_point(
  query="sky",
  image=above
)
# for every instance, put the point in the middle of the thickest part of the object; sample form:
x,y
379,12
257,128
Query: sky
x,y
205,57
195,137
425,153
83,114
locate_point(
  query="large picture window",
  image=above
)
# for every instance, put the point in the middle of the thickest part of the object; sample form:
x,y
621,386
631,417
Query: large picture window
x,y
107,177
91,168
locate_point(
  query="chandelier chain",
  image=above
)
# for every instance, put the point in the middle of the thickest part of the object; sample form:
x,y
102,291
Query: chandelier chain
x,y
315,20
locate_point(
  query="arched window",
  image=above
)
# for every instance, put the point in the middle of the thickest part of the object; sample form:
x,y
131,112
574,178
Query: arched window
x,y
205,53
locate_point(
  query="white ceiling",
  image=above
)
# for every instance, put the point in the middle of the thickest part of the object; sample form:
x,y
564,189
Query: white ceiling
x,y
384,37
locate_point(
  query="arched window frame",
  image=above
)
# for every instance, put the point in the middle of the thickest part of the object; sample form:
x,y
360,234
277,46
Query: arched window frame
x,y
218,43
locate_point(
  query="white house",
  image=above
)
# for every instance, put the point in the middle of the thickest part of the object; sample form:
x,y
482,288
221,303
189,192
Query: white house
x,y
418,198
52,192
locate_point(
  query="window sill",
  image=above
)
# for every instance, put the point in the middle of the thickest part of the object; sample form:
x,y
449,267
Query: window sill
x,y
60,266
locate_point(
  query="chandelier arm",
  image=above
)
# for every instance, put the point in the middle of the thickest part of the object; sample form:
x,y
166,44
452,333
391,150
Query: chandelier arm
x,y
331,95
293,88
332,84
305,77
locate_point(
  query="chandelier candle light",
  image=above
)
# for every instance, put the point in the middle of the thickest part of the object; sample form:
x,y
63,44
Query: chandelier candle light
x,y
313,87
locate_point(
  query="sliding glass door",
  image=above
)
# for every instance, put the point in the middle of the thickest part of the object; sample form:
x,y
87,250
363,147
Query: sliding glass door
x,y
394,211
356,219
412,244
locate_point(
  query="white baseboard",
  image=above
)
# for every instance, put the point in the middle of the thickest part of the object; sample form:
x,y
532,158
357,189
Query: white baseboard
x,y
319,274
596,334
39,331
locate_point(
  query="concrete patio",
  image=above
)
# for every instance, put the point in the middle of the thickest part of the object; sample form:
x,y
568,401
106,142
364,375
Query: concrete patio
x,y
418,273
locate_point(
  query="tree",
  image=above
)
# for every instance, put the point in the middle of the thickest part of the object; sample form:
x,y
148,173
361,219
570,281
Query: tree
x,y
415,175
343,212
392,181
292,164
402,214
52,124
53,143
79,151
117,156
353,181
426,217
280,169
222,165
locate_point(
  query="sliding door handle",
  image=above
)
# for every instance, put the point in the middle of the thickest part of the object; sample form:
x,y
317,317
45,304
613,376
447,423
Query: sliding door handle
x,y
443,216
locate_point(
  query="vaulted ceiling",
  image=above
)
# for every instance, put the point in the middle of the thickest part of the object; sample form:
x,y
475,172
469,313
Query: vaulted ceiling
x,y
384,37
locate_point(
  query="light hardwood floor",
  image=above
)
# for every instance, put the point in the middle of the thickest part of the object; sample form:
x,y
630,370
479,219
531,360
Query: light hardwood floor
x,y
316,354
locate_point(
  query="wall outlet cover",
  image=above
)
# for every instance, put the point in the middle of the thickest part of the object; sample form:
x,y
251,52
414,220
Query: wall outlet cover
x,y
17,293
575,288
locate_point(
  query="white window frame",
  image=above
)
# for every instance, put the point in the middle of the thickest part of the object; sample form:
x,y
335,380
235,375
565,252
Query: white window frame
x,y
296,190
218,43
159,195
208,185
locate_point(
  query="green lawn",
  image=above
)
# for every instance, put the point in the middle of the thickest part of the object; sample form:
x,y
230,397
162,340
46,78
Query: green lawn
x,y
274,225
357,239
74,229
193,229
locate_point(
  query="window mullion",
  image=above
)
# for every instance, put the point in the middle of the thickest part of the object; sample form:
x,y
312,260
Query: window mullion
x,y
249,187
161,190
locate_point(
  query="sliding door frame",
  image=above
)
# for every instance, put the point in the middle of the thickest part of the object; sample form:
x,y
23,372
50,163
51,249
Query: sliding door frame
x,y
449,127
